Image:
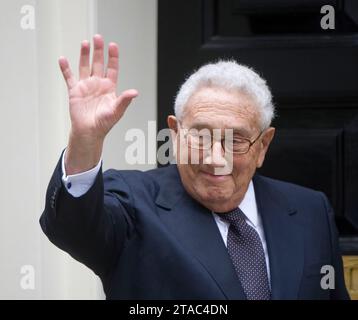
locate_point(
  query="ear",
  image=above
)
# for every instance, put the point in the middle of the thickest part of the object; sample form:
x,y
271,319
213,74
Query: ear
x,y
173,126
265,141
172,123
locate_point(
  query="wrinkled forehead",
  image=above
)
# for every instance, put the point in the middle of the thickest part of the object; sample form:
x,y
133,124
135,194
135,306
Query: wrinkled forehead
x,y
217,108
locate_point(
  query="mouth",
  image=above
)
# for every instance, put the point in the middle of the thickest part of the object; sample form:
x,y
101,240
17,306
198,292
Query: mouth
x,y
214,177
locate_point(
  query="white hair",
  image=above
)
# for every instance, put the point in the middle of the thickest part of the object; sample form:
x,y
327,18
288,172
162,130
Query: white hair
x,y
228,75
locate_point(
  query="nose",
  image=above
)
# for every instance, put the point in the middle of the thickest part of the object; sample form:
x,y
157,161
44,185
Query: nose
x,y
215,155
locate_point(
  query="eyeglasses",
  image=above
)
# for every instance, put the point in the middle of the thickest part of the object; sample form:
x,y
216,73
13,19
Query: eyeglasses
x,y
199,140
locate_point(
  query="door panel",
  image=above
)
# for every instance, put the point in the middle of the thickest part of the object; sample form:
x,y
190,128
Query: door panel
x,y
313,74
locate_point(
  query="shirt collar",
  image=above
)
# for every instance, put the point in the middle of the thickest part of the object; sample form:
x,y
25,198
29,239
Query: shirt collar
x,y
248,205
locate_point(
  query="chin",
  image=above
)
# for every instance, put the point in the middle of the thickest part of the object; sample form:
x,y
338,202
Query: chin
x,y
215,196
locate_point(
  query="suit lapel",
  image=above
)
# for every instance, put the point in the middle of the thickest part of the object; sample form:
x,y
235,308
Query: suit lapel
x,y
195,228
283,238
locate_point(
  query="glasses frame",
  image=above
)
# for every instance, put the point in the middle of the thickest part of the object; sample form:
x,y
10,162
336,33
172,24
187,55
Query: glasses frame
x,y
250,142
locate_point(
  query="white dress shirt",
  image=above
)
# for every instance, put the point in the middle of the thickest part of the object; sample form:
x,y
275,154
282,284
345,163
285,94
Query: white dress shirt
x,y
78,184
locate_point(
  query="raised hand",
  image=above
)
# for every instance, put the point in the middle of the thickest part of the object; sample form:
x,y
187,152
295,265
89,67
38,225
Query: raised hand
x,y
94,105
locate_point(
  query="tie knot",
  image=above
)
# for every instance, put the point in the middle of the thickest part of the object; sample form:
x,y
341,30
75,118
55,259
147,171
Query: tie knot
x,y
234,217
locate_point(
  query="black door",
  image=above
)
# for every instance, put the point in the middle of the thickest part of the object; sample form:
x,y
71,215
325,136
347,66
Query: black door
x,y
313,74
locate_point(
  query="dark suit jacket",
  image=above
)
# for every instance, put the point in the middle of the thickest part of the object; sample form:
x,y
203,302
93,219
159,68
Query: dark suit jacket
x,y
146,238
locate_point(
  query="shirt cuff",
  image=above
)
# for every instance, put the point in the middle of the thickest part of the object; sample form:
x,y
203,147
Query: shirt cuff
x,y
78,184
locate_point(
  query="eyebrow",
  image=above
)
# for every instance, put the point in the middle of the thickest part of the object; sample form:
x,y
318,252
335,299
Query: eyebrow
x,y
238,130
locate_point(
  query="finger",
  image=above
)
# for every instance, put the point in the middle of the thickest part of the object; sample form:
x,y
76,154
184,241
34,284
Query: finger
x,y
112,67
66,72
84,68
97,61
124,100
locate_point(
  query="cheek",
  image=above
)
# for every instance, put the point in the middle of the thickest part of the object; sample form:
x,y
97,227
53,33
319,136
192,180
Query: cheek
x,y
244,165
181,152
192,157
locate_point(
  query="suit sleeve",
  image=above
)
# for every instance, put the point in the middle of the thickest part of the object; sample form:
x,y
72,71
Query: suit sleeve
x,y
92,228
340,290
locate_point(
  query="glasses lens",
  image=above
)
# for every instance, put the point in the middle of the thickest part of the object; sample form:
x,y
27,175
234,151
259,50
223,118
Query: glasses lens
x,y
236,146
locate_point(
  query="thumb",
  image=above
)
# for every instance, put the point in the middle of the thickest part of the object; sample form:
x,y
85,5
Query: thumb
x,y
123,101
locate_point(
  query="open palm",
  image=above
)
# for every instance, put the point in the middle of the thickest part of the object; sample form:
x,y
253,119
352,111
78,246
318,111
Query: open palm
x,y
94,104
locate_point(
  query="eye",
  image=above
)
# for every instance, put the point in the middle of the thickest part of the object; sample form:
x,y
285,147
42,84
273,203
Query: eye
x,y
239,140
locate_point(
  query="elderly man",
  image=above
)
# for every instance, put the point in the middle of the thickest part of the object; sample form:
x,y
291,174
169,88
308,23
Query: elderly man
x,y
206,229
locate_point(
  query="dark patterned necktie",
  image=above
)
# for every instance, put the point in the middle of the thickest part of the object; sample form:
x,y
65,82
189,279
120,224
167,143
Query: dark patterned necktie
x,y
247,254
